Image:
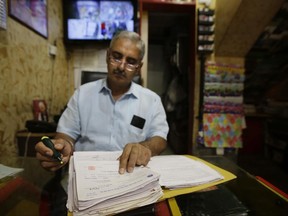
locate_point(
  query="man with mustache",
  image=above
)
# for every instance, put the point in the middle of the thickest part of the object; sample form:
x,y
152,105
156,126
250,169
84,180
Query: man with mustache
x,y
112,114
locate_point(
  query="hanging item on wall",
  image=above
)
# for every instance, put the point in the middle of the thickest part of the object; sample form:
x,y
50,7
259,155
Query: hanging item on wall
x,y
31,13
3,19
223,105
205,30
222,130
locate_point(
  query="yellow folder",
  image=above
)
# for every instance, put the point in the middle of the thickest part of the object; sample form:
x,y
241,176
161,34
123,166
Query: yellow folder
x,y
175,192
170,194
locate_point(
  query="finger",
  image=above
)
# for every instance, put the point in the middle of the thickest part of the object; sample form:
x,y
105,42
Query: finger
x,y
44,157
64,148
51,166
43,150
59,146
134,155
123,160
45,154
46,162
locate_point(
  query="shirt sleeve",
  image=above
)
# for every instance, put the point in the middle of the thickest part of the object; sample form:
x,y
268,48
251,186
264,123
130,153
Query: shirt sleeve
x,y
159,125
69,122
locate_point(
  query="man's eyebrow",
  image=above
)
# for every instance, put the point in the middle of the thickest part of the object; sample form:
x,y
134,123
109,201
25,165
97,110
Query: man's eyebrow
x,y
131,58
127,57
116,52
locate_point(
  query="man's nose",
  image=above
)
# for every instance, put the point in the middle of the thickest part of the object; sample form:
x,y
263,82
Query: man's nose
x,y
122,64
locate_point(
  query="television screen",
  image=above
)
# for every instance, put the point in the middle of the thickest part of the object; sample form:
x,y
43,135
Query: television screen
x,y
94,20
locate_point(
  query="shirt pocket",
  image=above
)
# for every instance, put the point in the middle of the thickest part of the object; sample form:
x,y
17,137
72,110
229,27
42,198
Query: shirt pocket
x,y
136,134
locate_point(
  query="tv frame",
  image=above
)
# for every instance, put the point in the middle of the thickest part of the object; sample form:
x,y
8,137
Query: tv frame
x,y
90,76
93,40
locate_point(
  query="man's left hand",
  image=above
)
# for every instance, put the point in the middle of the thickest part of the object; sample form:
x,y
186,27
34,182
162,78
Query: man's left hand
x,y
134,154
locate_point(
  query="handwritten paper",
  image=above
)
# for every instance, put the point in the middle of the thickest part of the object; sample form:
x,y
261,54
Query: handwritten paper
x,y
177,171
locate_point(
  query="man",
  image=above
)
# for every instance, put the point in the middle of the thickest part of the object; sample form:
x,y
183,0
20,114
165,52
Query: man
x,y
112,114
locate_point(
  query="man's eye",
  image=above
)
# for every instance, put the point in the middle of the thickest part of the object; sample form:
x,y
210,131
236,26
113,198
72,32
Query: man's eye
x,y
117,56
131,61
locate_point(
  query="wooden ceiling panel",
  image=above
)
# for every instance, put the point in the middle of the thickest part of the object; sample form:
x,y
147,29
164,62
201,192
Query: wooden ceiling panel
x,y
239,25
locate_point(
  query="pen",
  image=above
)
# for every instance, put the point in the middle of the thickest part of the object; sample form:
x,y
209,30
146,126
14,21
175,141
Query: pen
x,y
47,142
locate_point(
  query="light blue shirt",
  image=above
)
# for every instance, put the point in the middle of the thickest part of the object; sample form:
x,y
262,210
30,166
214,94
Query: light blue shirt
x,y
99,123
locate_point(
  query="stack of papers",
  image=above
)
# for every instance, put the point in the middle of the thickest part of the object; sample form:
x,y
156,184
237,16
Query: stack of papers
x,y
95,187
177,171
6,171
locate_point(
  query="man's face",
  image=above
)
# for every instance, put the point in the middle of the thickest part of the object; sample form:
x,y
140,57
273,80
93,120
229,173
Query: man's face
x,y
123,60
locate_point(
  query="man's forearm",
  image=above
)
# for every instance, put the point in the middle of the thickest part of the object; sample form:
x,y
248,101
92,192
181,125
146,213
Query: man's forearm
x,y
155,144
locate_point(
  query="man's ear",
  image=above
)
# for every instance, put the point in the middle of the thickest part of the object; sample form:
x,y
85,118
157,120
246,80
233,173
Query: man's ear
x,y
138,71
139,68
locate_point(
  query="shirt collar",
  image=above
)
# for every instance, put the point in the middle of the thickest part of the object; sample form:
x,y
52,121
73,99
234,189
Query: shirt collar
x,y
133,91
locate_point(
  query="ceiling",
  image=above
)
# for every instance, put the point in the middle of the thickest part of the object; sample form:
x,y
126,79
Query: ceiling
x,y
239,23
257,31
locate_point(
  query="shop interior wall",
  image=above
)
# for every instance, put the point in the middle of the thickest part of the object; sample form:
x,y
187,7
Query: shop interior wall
x,y
28,72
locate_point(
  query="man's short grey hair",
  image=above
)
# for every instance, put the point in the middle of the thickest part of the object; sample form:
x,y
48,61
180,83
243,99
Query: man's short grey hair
x,y
134,37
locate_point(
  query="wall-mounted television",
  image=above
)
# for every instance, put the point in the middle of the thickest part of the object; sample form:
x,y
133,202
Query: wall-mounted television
x,y
97,20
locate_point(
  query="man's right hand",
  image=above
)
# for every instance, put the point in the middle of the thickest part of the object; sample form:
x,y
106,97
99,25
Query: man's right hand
x,y
44,154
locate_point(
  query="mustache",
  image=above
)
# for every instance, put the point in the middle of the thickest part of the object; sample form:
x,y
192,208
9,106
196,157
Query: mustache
x,y
119,72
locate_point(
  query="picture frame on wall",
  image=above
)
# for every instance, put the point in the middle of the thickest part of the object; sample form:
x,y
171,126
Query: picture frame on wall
x,y
31,13
3,19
